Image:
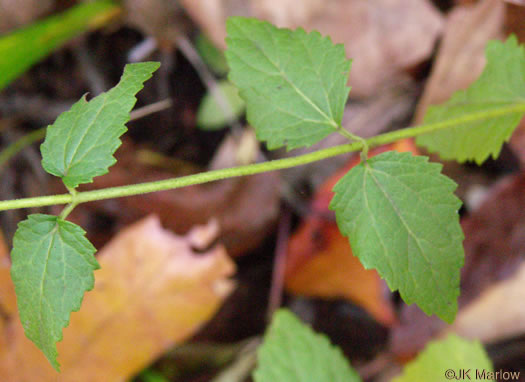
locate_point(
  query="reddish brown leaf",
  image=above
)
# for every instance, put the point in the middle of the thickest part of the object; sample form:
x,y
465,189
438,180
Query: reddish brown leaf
x,y
320,261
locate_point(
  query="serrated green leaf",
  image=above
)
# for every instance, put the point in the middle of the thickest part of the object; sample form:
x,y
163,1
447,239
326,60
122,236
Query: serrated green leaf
x,y
23,48
498,96
446,359
401,217
81,142
293,82
292,352
211,115
52,267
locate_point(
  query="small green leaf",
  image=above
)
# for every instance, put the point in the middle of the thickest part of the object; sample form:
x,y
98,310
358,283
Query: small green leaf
x,y
211,115
81,142
293,82
446,359
211,55
401,217
292,352
498,95
25,47
52,267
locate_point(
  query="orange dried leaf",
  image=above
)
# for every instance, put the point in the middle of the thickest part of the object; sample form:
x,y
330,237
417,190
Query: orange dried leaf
x,y
7,291
320,261
151,292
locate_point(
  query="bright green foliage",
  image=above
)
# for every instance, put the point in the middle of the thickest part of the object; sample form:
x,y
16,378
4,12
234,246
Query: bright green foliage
x,y
212,115
293,82
451,356
292,352
211,55
499,93
401,217
53,266
25,47
81,142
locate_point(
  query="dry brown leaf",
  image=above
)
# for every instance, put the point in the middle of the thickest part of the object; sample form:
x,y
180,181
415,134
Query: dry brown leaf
x,y
7,290
383,36
461,55
16,13
334,272
497,314
151,292
517,143
7,301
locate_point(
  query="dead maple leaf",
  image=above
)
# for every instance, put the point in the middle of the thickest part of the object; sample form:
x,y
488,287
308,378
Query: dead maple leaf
x,y
320,261
151,292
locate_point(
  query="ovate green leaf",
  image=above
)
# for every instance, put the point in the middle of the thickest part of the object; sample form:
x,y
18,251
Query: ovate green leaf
x,y
446,359
52,267
293,82
401,217
23,48
212,115
292,352
487,112
81,142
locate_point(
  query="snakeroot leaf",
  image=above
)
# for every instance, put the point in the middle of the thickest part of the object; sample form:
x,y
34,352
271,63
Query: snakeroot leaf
x,y
292,352
498,94
81,142
401,217
293,82
212,115
52,267
447,359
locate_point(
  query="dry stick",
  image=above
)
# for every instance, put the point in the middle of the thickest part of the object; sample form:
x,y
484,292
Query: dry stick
x,y
279,264
95,79
37,135
207,79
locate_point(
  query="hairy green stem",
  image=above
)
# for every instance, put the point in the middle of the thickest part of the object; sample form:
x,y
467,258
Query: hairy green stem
x,y
205,177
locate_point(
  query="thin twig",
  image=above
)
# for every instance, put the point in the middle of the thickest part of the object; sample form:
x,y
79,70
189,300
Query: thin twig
x,y
279,264
37,135
207,79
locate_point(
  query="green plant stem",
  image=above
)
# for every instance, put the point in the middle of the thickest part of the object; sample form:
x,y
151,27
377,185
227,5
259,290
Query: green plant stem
x,y
205,177
28,139
355,138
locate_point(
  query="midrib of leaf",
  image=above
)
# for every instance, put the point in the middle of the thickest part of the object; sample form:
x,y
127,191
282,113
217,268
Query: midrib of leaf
x,y
86,131
472,117
330,119
44,275
409,230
